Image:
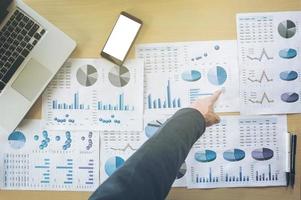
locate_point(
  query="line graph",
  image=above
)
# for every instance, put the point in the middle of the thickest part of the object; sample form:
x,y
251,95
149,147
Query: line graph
x,y
264,97
128,146
262,55
262,77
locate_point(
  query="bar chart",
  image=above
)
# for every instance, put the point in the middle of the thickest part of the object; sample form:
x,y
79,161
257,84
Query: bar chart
x,y
267,175
206,179
120,105
89,171
195,93
75,105
45,171
168,102
240,178
66,171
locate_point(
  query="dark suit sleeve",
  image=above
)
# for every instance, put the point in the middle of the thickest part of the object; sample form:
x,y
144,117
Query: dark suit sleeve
x,y
149,173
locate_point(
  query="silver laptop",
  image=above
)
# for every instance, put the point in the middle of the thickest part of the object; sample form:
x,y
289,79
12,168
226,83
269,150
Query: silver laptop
x,y
31,52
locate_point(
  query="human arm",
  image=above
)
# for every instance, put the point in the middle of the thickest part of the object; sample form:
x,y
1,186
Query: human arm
x,y
149,173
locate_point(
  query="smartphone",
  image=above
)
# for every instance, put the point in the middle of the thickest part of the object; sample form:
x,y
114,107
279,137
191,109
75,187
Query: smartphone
x,y
121,38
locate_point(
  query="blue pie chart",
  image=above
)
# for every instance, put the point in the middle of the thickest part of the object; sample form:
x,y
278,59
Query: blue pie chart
x,y
290,97
191,75
287,53
217,75
16,140
205,156
234,155
262,154
112,164
152,127
288,75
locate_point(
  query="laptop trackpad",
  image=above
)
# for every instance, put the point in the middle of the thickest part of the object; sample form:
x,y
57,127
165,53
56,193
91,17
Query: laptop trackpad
x,y
32,79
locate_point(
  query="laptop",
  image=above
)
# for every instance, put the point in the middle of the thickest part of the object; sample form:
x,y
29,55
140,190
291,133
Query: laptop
x,y
32,50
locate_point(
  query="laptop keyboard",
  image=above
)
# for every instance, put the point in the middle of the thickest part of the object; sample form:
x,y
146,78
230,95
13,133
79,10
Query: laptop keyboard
x,y
17,39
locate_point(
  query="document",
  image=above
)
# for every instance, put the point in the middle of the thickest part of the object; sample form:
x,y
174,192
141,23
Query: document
x,y
176,74
117,147
36,158
269,61
95,94
240,152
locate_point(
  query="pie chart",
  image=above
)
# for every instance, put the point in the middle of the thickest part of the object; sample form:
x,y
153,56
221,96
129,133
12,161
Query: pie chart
x,y
112,164
119,76
182,171
290,97
205,156
262,154
289,75
16,140
217,75
87,75
152,127
287,29
287,53
234,155
191,75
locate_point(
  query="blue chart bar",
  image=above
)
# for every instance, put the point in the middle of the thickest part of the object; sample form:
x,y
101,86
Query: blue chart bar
x,y
266,177
194,94
120,105
208,179
46,171
169,102
76,105
239,178
90,169
68,167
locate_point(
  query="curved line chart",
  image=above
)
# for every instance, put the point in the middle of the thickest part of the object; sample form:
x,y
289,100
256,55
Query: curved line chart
x,y
128,146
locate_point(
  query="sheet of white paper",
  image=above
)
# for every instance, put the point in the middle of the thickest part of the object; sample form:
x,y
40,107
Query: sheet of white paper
x,y
36,158
176,74
116,148
269,59
95,94
240,152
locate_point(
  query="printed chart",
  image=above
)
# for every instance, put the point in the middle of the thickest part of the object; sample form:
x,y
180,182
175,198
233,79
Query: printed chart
x,y
116,148
240,152
268,46
177,74
36,158
95,94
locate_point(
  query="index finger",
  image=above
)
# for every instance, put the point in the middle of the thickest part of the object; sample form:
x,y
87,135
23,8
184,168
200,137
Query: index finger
x,y
215,96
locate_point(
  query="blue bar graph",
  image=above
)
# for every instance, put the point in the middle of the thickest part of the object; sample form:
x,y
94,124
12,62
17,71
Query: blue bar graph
x,y
46,170
239,178
90,169
169,101
120,105
194,94
75,105
68,168
206,179
266,177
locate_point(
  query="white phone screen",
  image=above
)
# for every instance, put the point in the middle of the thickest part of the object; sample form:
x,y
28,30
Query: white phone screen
x,y
121,38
